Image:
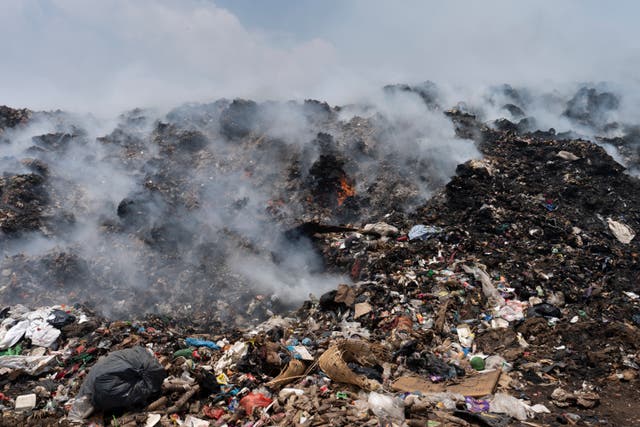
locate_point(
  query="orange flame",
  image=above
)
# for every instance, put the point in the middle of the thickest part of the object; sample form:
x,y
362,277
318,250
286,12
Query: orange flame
x,y
345,190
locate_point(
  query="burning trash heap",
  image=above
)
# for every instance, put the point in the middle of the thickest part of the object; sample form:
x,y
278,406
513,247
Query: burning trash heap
x,y
256,264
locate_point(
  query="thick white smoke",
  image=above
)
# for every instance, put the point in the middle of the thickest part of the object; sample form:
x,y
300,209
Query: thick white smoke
x,y
108,56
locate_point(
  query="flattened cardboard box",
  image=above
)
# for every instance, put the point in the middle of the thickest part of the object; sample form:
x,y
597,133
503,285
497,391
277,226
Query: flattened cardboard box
x,y
475,386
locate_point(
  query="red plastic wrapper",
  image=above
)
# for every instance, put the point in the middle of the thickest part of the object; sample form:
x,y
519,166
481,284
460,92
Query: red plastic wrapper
x,y
254,400
214,413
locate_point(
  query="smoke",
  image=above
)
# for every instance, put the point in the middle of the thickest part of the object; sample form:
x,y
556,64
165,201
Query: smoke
x,y
83,181
175,210
204,201
603,112
197,206
106,57
163,208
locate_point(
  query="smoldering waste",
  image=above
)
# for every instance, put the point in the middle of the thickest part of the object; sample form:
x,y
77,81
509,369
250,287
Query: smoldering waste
x,y
238,263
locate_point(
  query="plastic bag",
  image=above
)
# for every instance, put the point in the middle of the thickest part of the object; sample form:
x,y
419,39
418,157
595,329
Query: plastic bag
x,y
544,310
465,335
489,291
81,408
477,405
34,326
59,318
124,379
197,342
31,365
423,232
254,400
231,356
497,362
14,334
387,407
41,333
519,409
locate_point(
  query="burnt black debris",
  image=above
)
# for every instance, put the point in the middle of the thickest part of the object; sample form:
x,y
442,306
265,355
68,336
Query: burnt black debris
x,y
10,117
23,198
590,106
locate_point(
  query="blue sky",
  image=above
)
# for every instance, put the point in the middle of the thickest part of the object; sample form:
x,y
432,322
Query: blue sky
x,y
115,54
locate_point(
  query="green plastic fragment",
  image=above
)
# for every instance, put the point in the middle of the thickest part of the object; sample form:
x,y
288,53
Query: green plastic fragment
x,y
185,352
16,350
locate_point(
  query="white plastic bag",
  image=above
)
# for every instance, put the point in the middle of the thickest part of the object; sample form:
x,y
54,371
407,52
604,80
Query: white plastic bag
x,y
489,291
387,407
32,325
31,365
503,403
41,333
14,334
81,408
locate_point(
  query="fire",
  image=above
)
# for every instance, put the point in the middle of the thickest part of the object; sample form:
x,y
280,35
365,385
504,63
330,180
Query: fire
x,y
345,190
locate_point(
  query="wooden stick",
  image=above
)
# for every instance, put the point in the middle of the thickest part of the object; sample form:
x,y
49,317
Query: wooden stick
x,y
442,314
451,418
157,404
183,400
176,387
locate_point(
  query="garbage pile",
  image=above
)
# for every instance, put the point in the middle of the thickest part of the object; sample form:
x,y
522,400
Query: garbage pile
x,y
182,206
509,297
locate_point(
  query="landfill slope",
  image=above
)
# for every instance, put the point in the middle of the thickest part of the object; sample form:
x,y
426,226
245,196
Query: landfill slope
x,y
505,295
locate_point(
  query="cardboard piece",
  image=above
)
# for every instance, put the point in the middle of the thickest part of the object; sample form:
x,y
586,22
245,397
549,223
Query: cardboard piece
x,y
345,294
294,370
361,309
334,362
475,386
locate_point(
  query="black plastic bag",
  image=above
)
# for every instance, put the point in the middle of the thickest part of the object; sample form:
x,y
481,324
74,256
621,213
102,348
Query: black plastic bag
x,y
59,319
544,310
124,379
